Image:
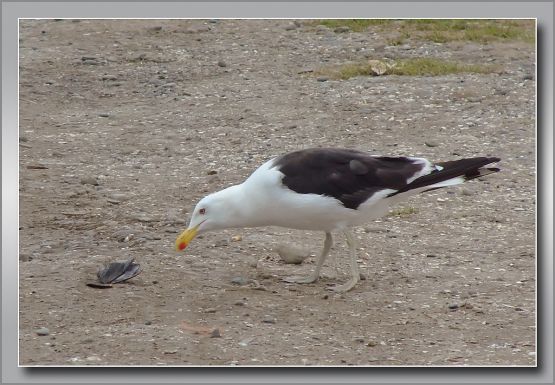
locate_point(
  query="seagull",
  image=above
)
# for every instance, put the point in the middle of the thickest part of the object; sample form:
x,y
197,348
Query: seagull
x,y
329,190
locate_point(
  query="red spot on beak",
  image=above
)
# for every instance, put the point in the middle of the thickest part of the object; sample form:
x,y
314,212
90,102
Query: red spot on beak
x,y
182,246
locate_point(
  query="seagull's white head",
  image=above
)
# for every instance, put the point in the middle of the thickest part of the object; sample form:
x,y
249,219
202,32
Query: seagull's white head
x,y
220,210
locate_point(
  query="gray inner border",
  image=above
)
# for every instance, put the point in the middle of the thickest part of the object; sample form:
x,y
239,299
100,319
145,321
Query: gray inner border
x,y
11,11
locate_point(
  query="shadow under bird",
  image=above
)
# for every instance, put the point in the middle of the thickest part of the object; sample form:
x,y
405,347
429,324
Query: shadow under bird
x,y
326,189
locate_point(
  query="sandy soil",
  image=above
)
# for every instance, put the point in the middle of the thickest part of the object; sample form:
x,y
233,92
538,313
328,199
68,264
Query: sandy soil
x,y
124,125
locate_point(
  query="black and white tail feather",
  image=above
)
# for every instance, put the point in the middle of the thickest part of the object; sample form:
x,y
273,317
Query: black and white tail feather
x,y
452,173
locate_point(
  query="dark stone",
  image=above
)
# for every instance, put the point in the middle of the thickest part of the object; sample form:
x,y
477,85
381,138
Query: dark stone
x,y
42,331
239,280
342,29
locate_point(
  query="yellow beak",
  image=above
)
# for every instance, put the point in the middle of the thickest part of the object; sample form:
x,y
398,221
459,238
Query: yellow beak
x,y
187,236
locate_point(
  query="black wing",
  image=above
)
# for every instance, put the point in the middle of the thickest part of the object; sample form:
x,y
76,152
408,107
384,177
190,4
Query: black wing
x,y
349,176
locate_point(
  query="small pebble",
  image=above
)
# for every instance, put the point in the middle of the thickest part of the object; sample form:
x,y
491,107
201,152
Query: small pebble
x,y
240,303
453,306
118,197
322,79
42,331
236,238
36,166
221,243
372,343
197,29
239,280
123,235
212,172
139,57
342,29
89,180
215,333
261,288
466,192
269,320
246,341
210,310
148,322
431,143
291,254
373,230
104,115
222,63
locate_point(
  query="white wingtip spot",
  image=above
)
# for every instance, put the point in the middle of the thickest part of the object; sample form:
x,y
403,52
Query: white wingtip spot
x,y
439,168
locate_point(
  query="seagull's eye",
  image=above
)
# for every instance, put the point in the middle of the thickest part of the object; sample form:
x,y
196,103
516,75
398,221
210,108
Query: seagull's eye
x,y
202,211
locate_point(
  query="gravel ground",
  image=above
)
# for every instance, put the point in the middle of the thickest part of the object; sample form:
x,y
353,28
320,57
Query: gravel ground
x,y
124,125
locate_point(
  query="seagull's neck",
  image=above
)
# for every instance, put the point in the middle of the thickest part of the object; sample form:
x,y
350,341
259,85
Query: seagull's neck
x,y
238,206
